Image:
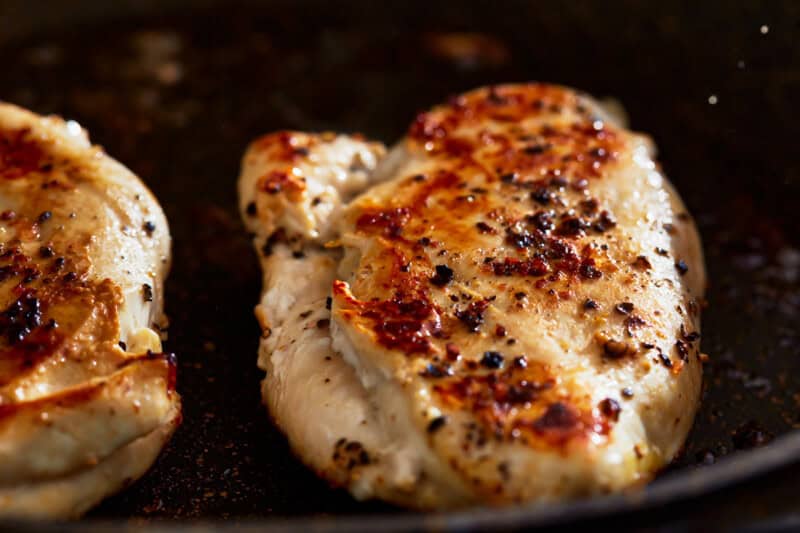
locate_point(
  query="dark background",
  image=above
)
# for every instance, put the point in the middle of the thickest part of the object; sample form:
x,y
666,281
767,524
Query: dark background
x,y
175,90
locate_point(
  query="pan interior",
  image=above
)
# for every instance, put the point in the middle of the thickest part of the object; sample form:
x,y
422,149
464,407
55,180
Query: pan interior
x,y
178,96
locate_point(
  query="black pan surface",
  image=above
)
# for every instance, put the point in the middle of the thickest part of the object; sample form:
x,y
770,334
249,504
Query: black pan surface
x,y
175,90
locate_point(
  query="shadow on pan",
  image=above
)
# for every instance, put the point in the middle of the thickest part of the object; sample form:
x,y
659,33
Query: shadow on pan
x,y
176,90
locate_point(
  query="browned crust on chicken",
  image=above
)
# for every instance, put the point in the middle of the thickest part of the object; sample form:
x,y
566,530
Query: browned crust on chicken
x,y
540,239
69,270
516,304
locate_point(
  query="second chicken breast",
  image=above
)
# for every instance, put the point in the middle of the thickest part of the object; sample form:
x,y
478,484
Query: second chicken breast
x,y
508,312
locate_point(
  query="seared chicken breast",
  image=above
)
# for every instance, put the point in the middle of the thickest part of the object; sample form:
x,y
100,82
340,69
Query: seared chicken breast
x,y
504,308
87,399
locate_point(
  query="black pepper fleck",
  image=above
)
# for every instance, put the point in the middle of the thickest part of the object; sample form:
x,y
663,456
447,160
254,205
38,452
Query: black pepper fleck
x,y
483,227
21,318
542,196
624,308
535,149
604,222
443,275
472,316
436,371
690,336
610,408
437,424
589,271
682,349
492,359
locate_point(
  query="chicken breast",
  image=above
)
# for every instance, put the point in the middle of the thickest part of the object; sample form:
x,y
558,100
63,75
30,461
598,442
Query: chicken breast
x,y
87,399
509,311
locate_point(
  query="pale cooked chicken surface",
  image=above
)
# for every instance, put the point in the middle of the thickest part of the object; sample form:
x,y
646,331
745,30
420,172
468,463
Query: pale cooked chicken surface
x,y
507,311
87,399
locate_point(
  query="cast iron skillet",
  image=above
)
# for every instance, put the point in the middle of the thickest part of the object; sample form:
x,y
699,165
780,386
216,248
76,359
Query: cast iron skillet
x,y
175,90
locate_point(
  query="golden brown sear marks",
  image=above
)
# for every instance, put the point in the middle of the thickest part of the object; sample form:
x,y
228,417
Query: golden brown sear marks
x,y
46,291
509,189
405,322
508,317
286,148
20,154
492,130
516,399
505,207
